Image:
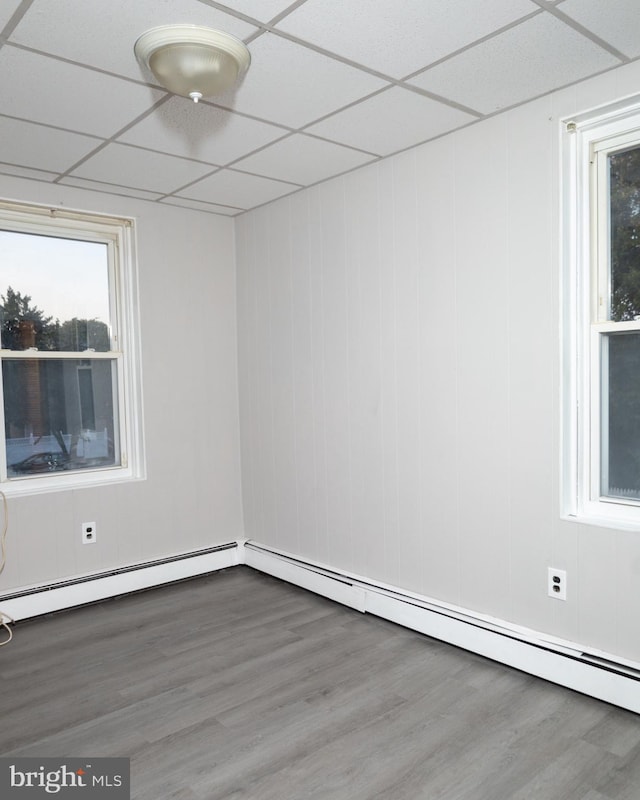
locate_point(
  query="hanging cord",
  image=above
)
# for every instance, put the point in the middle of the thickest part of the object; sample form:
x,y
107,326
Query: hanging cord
x,y
5,619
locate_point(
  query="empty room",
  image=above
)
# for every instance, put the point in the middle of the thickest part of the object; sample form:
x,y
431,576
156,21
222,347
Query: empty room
x,y
320,344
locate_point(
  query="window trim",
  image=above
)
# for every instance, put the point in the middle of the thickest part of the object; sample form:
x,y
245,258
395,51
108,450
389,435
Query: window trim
x,y
119,235
585,248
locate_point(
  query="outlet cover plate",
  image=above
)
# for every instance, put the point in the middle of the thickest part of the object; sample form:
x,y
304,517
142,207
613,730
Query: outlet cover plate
x,y
557,583
89,534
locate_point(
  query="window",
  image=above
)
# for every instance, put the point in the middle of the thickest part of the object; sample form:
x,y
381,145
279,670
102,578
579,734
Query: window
x,y
70,377
602,312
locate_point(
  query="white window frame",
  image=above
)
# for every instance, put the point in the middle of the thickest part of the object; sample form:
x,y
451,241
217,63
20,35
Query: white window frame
x,y
118,234
585,303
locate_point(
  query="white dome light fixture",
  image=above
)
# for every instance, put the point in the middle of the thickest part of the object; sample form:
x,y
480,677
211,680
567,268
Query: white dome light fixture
x,y
191,60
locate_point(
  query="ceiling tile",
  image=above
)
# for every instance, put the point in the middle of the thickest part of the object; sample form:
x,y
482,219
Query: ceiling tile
x,y
7,10
200,131
103,34
109,188
230,188
40,147
141,169
197,205
391,121
293,85
26,172
398,39
620,29
37,88
523,62
262,10
303,159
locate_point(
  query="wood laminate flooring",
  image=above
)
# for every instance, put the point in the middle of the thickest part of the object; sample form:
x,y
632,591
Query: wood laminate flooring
x,y
236,686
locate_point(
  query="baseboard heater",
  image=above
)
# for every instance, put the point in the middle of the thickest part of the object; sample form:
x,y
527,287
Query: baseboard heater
x,y
593,673
597,674
44,599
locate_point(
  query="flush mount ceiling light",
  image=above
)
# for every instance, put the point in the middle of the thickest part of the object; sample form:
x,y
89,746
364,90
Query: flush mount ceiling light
x,y
191,60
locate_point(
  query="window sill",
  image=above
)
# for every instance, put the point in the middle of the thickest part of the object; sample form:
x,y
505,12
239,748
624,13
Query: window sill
x,y
22,487
601,521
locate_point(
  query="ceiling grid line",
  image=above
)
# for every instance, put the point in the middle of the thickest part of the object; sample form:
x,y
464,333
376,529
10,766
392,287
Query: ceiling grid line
x,y
332,87
581,29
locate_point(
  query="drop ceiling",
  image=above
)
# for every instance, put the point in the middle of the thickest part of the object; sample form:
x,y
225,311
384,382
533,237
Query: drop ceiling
x,y
333,85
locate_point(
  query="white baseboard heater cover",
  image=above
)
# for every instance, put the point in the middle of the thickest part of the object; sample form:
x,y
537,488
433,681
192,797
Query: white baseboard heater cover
x,y
594,673
44,599
567,664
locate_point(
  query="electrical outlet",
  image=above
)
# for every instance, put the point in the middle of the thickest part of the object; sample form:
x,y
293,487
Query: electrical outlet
x,y
88,532
557,583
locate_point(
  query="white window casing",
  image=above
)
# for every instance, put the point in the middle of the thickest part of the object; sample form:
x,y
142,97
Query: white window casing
x,y
588,142
123,353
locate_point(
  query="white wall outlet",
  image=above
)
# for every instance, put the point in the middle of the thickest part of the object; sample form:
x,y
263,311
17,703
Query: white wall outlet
x,y
88,532
557,583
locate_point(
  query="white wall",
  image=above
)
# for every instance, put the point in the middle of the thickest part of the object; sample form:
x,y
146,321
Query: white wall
x,y
191,497
399,336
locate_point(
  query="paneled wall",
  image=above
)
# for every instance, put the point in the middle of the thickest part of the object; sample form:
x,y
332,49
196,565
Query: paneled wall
x,y
399,340
191,498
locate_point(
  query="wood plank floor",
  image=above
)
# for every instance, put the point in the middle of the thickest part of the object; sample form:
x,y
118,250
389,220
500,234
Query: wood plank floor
x,y
238,686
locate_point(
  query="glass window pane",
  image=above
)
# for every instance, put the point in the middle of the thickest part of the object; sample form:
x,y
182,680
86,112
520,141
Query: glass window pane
x,y
620,468
624,178
54,293
60,415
